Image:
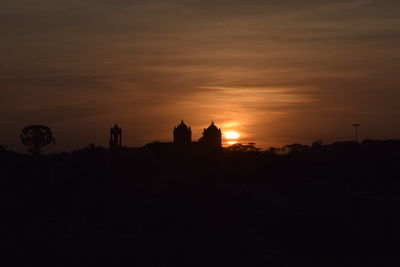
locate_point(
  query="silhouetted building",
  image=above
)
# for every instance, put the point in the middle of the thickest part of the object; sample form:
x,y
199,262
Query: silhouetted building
x,y
212,137
211,140
115,137
182,134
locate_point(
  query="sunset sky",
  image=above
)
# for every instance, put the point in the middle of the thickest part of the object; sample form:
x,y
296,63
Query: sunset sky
x,y
276,72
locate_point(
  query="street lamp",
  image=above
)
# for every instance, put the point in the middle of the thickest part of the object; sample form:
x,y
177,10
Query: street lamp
x,y
356,125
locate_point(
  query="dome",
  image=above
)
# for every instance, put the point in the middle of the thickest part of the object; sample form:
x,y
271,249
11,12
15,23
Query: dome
x,y
182,126
212,128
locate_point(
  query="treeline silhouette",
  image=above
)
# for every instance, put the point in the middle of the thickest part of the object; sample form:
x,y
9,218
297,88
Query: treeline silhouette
x,y
320,205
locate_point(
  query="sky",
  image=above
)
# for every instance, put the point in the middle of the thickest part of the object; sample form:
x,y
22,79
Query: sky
x,y
276,72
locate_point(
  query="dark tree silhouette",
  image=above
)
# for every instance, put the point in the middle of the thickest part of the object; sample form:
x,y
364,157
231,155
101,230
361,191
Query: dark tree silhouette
x,y
35,137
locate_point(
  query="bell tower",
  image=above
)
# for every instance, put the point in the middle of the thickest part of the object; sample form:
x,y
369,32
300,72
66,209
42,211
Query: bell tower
x,y
182,134
115,137
212,137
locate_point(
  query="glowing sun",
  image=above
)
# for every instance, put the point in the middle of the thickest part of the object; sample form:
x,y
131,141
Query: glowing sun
x,y
232,135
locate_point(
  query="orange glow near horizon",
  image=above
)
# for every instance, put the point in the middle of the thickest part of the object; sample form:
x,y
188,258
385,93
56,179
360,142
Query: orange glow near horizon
x,y
232,137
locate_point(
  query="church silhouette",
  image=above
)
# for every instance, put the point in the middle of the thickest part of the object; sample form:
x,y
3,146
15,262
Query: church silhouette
x,y
212,136
182,138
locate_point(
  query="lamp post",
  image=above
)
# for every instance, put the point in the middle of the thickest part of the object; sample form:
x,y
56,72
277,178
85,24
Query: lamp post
x,y
356,125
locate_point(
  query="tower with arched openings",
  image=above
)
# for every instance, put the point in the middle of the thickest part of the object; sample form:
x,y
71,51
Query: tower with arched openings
x,y
115,137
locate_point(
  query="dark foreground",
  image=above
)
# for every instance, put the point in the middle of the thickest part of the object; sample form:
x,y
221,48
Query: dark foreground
x,y
327,206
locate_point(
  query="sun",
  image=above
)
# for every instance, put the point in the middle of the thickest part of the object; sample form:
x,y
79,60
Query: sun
x,y
232,135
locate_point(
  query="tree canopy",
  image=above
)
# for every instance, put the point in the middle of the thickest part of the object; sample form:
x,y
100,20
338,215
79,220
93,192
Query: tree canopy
x,y
35,137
